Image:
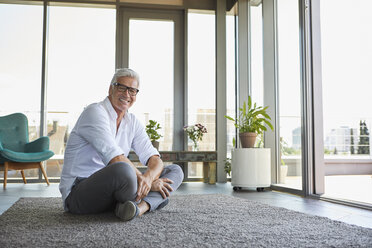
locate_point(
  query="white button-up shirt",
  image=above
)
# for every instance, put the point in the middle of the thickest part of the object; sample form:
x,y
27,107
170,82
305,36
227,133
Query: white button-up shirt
x,y
94,141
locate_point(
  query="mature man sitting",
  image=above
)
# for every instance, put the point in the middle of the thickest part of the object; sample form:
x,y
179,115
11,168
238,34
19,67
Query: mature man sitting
x,y
97,176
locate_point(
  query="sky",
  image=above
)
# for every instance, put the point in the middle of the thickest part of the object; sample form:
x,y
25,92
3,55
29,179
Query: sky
x,y
346,61
346,46
79,74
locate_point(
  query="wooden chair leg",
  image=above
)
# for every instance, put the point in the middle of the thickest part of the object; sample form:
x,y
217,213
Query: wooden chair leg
x,y
23,176
5,174
43,171
212,173
59,166
206,172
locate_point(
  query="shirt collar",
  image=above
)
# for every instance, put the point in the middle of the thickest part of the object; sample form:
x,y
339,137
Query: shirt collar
x,y
110,108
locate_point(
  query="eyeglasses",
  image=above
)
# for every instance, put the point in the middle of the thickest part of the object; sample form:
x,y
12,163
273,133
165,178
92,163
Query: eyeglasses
x,y
122,88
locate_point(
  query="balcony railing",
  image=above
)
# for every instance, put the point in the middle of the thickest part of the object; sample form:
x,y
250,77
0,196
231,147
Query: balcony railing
x,y
334,165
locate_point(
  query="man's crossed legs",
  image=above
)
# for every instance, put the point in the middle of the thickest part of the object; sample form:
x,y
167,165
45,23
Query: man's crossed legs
x,y
115,186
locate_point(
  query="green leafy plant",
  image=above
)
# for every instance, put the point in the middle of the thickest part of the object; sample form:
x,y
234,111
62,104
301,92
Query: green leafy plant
x,y
227,167
252,118
152,130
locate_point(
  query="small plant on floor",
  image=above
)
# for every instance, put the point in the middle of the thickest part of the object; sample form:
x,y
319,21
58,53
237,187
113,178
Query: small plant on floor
x,y
228,166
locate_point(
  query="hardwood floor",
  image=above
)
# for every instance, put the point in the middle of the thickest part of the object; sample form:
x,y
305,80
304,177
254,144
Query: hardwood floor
x,y
333,211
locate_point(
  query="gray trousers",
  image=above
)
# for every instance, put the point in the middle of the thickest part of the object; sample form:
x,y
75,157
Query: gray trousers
x,y
115,183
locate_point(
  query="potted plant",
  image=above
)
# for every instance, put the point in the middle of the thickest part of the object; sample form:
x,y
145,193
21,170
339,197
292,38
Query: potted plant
x,y
195,133
251,121
152,131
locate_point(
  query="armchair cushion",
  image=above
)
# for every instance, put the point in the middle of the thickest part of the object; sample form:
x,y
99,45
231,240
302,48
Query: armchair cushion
x,y
26,156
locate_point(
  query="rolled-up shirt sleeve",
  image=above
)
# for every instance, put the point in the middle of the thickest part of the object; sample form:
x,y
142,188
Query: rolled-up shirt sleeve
x,y
141,144
94,127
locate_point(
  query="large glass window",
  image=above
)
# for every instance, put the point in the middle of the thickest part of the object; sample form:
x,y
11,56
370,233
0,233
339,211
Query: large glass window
x,y
201,82
257,60
257,54
81,62
230,81
289,86
346,41
21,29
154,61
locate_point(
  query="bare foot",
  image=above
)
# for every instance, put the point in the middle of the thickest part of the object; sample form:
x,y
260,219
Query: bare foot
x,y
143,207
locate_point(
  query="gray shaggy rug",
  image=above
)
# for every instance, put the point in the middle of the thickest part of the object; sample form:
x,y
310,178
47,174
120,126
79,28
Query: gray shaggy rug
x,y
187,221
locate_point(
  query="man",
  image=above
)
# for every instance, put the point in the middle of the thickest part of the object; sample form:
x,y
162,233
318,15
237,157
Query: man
x,y
97,176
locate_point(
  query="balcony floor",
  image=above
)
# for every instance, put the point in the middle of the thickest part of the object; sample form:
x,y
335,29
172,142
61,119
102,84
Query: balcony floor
x,y
357,188
349,187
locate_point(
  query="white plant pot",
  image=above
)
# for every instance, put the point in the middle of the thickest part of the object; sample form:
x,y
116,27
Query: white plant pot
x,y
283,173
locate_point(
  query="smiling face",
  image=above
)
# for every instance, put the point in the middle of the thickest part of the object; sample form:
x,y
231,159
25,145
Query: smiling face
x,y
122,101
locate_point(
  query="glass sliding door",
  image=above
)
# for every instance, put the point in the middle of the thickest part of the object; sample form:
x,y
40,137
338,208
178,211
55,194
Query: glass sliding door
x,y
289,94
201,82
346,51
154,62
151,43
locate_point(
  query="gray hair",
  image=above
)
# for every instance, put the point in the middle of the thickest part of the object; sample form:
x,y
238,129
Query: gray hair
x,y
125,72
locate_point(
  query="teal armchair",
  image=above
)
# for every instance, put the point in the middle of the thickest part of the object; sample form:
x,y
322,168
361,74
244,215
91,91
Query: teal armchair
x,y
16,152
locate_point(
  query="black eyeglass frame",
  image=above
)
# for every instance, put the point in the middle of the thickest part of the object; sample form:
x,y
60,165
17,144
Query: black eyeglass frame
x,y
126,88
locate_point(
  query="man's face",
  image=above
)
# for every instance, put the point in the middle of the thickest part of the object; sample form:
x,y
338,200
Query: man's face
x,y
120,97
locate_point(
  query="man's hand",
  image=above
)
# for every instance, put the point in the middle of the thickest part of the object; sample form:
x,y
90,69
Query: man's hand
x,y
154,169
162,186
144,186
